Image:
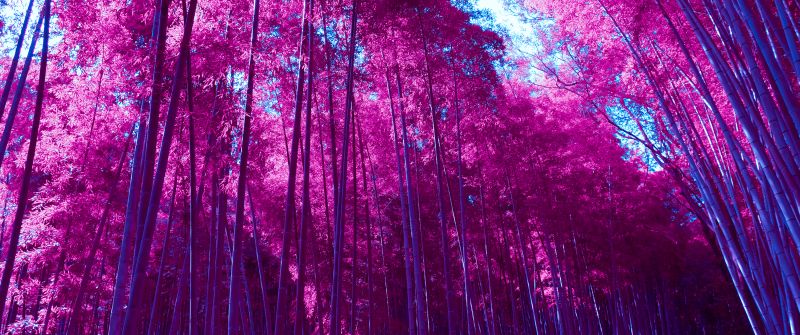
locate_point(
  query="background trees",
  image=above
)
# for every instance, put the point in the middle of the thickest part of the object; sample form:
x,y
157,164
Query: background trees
x,y
708,89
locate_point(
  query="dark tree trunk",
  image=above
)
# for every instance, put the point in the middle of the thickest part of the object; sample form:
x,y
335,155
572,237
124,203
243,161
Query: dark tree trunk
x,y
135,304
22,203
437,152
164,252
290,213
305,216
12,69
342,181
404,215
145,153
242,183
91,258
20,89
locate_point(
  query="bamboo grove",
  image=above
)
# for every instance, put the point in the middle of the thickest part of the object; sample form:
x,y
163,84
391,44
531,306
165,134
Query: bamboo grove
x,y
399,167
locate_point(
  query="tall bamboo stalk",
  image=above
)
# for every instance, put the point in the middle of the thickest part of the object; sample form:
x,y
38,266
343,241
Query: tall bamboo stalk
x,y
15,59
135,305
305,216
145,135
241,188
342,180
22,201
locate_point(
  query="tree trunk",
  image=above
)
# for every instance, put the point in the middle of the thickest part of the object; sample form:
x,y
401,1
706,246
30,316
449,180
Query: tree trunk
x,y
263,290
437,152
22,201
412,215
404,215
342,181
164,251
305,216
12,112
13,66
462,216
145,149
242,183
289,215
195,205
354,268
90,259
368,227
135,305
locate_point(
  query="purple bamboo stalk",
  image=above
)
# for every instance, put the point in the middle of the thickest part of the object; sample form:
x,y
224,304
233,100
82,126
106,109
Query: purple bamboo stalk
x,y
412,214
195,205
242,183
305,216
462,209
28,170
164,251
145,143
135,305
439,182
91,258
342,181
12,111
289,214
158,46
14,60
404,212
368,227
354,269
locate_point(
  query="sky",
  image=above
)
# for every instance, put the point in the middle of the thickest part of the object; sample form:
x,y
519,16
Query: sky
x,y
504,18
515,25
12,12
501,13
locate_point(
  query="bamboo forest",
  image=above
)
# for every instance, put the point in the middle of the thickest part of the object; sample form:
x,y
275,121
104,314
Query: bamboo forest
x,y
478,167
